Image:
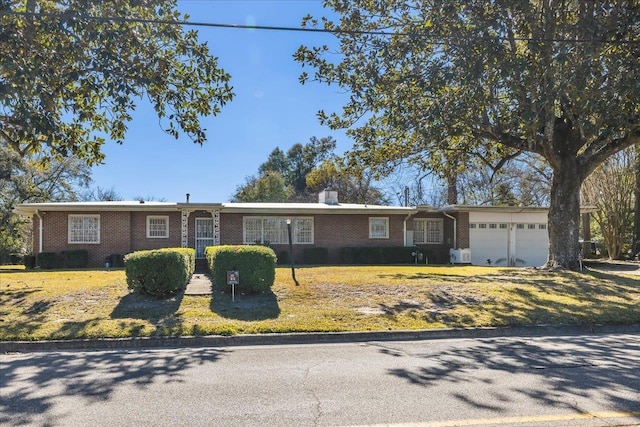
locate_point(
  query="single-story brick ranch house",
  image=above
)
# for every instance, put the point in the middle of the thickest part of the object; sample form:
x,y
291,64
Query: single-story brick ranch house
x,y
457,233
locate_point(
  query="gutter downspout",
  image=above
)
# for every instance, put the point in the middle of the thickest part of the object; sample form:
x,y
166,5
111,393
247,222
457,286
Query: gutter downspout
x,y
40,227
404,227
455,229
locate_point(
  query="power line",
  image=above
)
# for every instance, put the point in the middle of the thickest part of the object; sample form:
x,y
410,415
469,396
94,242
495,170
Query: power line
x,y
194,24
424,36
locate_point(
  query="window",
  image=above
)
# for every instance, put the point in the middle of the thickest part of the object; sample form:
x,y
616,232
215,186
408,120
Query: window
x,y
273,230
531,226
84,228
482,225
157,227
520,226
503,226
303,230
542,226
252,230
427,231
378,228
493,226
472,226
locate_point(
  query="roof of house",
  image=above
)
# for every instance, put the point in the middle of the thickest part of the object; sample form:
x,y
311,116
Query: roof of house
x,y
260,208
32,208
29,209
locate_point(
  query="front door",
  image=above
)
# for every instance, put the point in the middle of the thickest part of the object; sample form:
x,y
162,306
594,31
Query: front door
x,y
204,235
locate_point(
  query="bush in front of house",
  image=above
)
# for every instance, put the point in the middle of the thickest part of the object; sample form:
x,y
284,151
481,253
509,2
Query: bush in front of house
x,y
49,260
381,255
115,260
75,259
283,258
256,265
316,255
159,272
29,261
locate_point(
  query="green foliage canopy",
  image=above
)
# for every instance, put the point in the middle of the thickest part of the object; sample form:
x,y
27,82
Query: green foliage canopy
x,y
72,72
427,77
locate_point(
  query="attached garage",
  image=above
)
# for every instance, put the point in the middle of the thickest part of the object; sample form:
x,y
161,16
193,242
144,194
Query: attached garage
x,y
508,237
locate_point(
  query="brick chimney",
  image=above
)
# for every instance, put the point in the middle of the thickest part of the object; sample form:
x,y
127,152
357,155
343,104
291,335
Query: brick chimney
x,y
329,197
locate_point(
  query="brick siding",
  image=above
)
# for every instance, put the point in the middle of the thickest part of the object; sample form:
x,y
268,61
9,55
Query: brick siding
x,y
122,232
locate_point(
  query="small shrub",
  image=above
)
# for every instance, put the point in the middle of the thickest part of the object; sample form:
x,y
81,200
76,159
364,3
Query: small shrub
x,y
256,264
283,258
75,259
316,255
379,255
347,255
49,260
115,260
29,261
159,272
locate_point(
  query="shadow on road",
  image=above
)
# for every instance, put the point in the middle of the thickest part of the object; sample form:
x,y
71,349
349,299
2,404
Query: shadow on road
x,y
576,366
94,376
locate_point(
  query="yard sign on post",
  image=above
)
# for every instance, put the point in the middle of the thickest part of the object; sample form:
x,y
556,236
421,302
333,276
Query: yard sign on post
x,y
233,279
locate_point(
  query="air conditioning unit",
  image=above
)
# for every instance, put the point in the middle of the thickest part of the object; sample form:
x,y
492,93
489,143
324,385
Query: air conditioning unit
x,y
460,256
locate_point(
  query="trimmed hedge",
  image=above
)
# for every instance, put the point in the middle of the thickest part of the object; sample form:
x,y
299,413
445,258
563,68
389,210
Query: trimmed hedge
x,y
49,260
159,272
381,255
283,258
256,264
115,260
29,261
316,255
75,259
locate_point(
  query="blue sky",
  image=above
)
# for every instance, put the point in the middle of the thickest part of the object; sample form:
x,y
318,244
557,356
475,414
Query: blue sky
x,y
271,108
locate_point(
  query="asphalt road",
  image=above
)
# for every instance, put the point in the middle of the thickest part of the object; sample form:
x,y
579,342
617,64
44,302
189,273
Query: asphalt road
x,y
554,381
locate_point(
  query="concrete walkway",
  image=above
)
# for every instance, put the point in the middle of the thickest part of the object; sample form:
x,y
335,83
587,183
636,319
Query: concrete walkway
x,y
200,284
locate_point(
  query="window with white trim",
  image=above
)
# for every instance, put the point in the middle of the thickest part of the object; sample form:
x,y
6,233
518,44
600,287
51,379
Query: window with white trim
x,y
158,226
84,229
427,230
378,228
273,230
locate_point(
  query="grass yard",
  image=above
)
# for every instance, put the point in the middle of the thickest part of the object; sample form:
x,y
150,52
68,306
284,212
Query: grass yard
x,y
37,305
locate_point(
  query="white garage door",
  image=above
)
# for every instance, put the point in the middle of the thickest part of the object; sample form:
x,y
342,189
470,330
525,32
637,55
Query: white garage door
x,y
489,243
508,244
531,244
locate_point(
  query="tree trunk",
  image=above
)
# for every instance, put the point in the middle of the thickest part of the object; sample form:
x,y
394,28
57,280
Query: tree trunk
x,y
564,216
452,189
636,210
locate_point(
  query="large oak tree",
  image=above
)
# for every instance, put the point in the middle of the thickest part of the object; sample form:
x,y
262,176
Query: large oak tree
x,y
560,78
73,71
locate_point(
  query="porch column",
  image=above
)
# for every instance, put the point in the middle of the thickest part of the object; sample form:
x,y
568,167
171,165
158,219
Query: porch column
x,y
215,214
185,228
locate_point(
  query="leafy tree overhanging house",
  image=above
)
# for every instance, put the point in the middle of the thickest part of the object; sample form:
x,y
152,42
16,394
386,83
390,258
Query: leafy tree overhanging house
x,y
439,79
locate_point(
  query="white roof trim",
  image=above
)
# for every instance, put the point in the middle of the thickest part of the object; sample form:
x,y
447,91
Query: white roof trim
x,y
257,208
31,208
318,208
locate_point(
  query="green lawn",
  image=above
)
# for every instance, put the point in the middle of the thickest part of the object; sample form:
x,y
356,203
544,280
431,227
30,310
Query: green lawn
x,y
36,305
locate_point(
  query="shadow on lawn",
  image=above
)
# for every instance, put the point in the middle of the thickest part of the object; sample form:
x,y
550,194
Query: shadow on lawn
x,y
247,307
592,297
32,384
161,312
528,297
564,366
